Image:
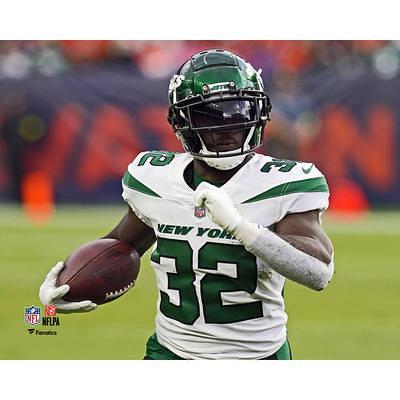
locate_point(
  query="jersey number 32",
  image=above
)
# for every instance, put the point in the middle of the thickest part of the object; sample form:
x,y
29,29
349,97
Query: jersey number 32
x,y
212,285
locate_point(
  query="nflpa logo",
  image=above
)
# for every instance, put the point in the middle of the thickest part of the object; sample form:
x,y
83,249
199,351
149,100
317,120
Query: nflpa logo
x,y
50,311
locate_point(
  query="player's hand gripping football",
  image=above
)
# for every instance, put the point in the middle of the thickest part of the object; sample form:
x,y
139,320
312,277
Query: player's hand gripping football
x,y
49,293
223,213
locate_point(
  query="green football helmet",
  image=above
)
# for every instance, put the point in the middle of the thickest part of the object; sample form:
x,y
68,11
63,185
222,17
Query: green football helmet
x,y
218,92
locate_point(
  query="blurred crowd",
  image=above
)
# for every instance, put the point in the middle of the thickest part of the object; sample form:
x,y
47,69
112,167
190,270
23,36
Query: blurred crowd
x,y
160,59
293,71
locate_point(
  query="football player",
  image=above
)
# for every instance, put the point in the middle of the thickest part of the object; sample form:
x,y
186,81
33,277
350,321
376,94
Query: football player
x,y
228,225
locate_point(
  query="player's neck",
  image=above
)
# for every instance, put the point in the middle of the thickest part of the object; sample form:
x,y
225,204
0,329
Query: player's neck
x,y
216,175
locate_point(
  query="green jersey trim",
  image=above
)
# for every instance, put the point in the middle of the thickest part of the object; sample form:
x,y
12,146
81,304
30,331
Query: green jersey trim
x,y
134,184
304,186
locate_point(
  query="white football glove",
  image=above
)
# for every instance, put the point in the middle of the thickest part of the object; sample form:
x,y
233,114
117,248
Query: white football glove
x,y
218,204
223,213
49,293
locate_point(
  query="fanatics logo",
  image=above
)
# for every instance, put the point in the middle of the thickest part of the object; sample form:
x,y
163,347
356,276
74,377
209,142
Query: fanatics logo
x,y
199,212
50,311
32,315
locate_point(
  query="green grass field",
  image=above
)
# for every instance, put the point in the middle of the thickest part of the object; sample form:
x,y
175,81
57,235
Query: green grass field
x,y
356,317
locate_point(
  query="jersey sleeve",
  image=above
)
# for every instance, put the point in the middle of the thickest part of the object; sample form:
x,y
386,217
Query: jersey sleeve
x,y
306,194
148,182
130,193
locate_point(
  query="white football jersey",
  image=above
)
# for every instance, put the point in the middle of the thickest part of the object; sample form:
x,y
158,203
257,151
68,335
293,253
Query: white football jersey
x,y
217,300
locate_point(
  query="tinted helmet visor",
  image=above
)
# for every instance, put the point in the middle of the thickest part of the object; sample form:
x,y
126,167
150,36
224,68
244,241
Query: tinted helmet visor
x,y
223,113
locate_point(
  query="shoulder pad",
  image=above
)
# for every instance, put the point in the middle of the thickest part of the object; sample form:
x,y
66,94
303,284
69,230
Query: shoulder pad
x,y
276,177
150,171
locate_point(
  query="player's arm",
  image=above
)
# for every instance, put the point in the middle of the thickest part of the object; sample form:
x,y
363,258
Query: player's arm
x,y
130,229
133,231
304,232
312,265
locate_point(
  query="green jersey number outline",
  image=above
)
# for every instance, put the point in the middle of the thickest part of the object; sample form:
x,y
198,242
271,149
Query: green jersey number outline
x,y
157,158
211,285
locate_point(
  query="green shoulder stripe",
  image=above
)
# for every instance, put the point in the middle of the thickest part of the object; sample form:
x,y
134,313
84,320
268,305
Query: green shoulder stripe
x,y
303,186
134,184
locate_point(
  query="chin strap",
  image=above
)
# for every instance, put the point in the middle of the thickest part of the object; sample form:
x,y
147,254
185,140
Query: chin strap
x,y
224,163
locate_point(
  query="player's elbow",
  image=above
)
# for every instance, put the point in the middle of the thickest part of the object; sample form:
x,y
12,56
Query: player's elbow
x,y
320,286
322,278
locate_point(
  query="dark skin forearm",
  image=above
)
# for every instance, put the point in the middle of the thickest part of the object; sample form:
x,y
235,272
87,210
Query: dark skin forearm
x,y
304,232
133,231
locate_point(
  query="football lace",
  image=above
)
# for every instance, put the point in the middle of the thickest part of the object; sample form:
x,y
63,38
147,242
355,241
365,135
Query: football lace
x,y
119,292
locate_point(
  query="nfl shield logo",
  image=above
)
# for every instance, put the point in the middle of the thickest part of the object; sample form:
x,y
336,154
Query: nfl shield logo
x,y
32,315
199,212
50,311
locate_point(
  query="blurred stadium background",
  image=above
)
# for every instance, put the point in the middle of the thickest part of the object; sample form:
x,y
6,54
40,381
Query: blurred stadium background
x,y
73,114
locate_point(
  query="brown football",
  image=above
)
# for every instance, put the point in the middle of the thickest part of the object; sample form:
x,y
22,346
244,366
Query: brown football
x,y
100,271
